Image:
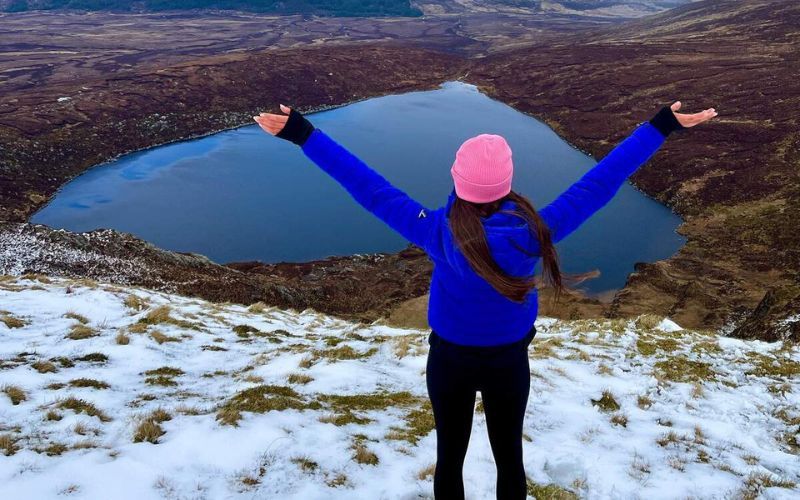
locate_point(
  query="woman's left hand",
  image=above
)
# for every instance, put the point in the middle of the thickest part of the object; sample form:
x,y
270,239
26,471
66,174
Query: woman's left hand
x,y
272,123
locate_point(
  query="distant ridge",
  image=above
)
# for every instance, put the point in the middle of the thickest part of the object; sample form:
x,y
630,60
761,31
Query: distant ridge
x,y
319,7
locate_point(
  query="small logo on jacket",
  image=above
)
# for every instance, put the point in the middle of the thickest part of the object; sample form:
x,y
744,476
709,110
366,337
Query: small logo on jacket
x,y
421,214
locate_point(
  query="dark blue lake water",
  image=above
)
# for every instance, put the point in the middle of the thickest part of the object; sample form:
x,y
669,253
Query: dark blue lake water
x,y
244,195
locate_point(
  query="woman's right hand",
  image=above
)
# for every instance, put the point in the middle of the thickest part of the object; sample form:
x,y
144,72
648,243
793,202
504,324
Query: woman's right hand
x,y
690,120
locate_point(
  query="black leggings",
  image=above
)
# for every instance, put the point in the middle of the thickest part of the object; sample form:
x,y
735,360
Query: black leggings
x,y
502,374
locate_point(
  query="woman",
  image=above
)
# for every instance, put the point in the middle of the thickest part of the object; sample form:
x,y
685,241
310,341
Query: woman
x,y
484,243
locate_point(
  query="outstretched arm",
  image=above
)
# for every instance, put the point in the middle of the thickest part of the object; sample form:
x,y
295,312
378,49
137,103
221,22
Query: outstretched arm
x,y
366,186
600,184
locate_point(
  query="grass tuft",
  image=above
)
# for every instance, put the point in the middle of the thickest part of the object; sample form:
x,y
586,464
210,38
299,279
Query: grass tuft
x,y
44,367
161,338
15,393
305,464
11,321
136,303
258,308
619,419
89,382
79,331
362,454
8,444
163,315
683,369
262,399
94,357
148,431
82,406
299,378
607,402
647,321
77,317
549,492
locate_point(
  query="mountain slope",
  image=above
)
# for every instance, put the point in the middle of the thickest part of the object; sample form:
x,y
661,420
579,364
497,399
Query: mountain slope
x,y
319,7
735,180
114,392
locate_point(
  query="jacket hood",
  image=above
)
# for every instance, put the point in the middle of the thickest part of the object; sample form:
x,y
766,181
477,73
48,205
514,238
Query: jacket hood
x,y
503,231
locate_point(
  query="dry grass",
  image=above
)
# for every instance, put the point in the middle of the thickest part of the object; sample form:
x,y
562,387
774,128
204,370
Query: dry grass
x,y
244,331
683,369
257,308
669,438
299,378
93,357
607,402
82,406
44,366
53,449
305,464
53,416
81,429
756,482
644,402
15,393
647,321
8,444
79,331
774,367
122,339
649,345
163,376
307,362
419,423
77,317
136,303
619,419
549,492
11,321
148,431
426,474
363,455
163,315
88,382
162,338
343,353
262,399
137,328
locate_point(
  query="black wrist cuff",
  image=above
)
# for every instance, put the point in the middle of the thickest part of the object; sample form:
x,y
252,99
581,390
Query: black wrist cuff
x,y
666,122
297,128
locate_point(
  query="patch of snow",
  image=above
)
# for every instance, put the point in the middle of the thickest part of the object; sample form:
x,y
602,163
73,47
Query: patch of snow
x,y
667,325
676,440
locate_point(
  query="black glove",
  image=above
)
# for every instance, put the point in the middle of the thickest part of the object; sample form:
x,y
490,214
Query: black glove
x,y
297,128
666,122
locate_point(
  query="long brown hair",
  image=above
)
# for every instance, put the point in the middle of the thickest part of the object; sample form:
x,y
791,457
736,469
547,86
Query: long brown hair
x,y
469,235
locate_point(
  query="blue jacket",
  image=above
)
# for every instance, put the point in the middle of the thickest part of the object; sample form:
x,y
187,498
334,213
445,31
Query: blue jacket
x,y
463,307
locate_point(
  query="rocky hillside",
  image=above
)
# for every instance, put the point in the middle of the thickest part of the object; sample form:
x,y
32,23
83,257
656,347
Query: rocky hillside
x,y
577,8
735,181
120,392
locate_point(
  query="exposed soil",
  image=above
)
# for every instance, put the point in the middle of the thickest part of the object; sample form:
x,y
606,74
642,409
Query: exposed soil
x,y
735,181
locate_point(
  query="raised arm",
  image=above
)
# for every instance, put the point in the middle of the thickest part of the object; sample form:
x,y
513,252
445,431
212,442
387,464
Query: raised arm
x,y
394,207
600,184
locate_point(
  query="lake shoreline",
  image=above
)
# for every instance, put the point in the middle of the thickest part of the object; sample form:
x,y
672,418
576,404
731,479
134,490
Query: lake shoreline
x,y
133,194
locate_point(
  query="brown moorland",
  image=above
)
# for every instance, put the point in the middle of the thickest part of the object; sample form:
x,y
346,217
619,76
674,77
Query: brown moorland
x,y
735,181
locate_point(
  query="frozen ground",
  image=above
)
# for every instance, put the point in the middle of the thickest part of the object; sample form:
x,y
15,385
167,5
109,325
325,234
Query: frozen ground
x,y
112,392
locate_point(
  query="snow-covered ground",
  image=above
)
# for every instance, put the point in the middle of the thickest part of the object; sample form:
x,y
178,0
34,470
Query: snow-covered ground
x,y
264,403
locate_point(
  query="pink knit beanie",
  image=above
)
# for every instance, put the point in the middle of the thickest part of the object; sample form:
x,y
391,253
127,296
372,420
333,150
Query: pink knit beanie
x,y
483,169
